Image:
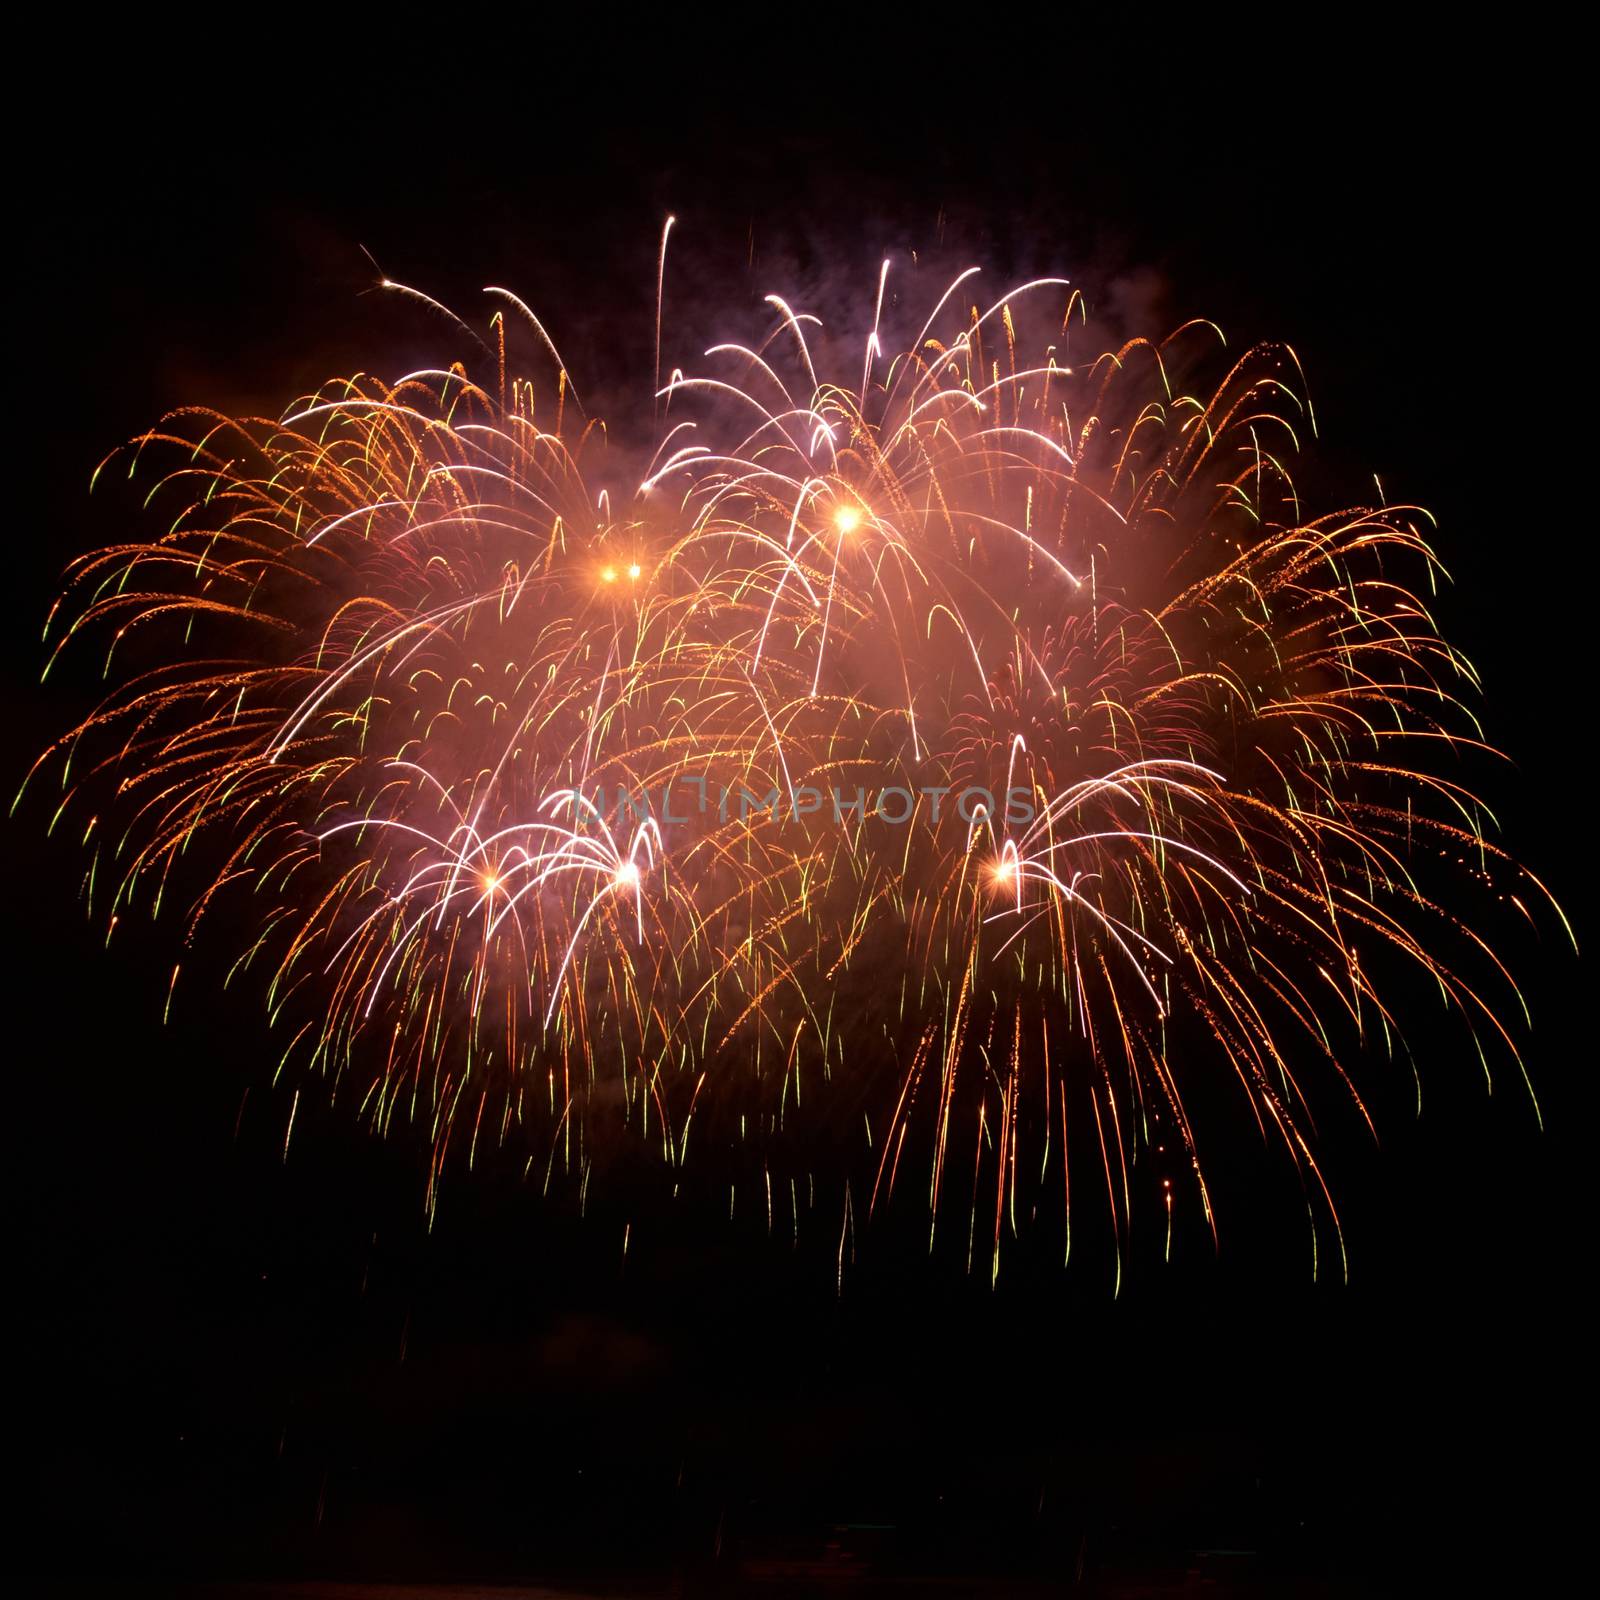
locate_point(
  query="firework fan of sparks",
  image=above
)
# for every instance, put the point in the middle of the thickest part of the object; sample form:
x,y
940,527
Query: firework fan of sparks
x,y
1071,761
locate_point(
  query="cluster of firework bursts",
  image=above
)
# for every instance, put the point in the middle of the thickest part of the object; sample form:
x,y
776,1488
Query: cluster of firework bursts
x,y
948,750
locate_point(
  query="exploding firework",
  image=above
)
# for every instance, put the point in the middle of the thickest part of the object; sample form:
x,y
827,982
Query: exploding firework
x,y
947,749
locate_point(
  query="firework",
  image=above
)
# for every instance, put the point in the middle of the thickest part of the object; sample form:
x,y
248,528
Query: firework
x,y
949,740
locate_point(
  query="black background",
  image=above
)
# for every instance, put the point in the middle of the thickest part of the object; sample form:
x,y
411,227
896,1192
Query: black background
x,y
235,1364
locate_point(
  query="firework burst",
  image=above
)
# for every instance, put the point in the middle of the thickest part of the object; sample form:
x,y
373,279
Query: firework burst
x,y
978,741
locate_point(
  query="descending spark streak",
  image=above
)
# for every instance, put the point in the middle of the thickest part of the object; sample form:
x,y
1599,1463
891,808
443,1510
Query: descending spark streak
x,y
989,732
661,292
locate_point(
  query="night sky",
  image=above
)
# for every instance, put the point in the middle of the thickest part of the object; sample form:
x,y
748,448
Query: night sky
x,y
234,1365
